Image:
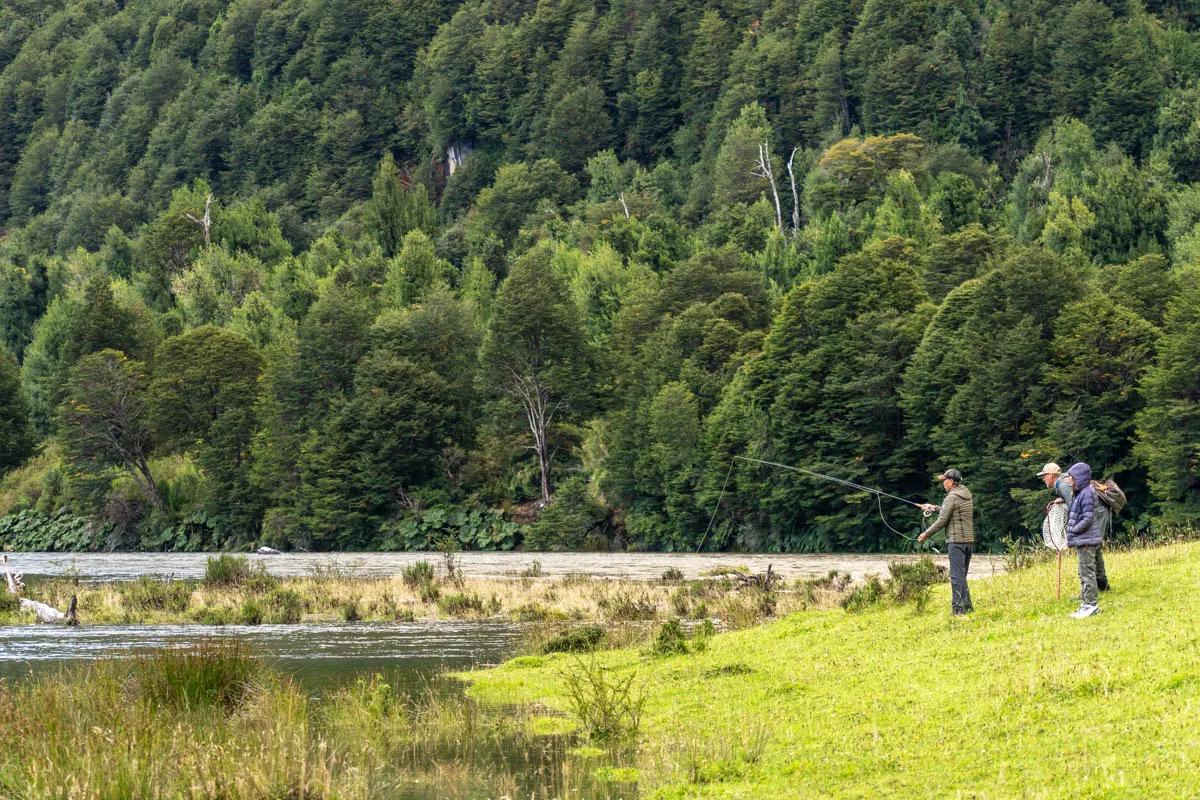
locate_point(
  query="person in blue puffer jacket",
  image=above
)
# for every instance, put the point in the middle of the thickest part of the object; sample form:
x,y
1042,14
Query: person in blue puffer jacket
x,y
1085,533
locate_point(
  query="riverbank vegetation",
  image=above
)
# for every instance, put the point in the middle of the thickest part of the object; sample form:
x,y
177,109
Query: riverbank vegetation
x,y
832,703
350,275
837,704
216,723
234,593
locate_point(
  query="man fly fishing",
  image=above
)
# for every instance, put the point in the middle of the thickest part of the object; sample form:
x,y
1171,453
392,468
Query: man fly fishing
x,y
957,516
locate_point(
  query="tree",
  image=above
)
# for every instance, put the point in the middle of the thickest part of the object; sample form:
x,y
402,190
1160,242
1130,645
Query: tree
x,y
104,421
16,437
397,207
534,352
1166,427
579,125
736,178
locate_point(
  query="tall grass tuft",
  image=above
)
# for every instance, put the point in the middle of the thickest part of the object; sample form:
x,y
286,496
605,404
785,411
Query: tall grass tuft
x,y
228,570
209,675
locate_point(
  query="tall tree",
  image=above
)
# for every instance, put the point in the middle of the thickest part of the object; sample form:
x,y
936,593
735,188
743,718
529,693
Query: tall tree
x,y
104,421
534,352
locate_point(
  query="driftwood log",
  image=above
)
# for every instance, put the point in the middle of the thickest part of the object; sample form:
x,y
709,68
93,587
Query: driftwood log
x,y
43,612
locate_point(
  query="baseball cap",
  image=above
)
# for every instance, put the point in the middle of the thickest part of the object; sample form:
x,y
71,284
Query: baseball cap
x,y
1050,469
951,474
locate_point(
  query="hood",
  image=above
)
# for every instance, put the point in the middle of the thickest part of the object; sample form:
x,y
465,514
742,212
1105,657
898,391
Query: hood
x,y
1082,474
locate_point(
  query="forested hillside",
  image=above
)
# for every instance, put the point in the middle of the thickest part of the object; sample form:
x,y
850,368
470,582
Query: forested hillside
x,y
372,273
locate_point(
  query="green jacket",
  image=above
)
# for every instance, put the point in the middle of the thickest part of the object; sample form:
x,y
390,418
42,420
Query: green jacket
x,y
957,517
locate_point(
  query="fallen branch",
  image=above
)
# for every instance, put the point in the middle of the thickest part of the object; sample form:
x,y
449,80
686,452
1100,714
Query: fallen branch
x,y
44,613
765,581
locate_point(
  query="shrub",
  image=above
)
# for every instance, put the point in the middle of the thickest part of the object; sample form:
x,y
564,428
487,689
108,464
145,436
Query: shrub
x,y
907,582
680,603
912,581
429,592
626,607
206,676
251,612
865,595
153,594
348,611
417,574
672,575
608,705
671,640
534,570
228,570
285,607
8,602
583,639
460,605
212,615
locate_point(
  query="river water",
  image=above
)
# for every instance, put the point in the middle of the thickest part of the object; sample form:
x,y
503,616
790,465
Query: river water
x,y
320,653
317,655
629,566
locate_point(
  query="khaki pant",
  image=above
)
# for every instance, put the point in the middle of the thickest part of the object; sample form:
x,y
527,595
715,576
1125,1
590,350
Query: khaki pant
x,y
1091,566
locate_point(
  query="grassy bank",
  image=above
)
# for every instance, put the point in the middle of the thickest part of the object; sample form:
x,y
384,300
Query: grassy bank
x,y
233,593
215,723
1015,701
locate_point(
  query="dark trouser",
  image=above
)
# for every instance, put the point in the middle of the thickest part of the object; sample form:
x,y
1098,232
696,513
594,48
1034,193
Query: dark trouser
x,y
1089,565
1101,575
960,562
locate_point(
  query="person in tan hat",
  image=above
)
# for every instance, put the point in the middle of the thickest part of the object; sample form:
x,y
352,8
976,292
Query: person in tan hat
x,y
1054,528
1064,492
957,516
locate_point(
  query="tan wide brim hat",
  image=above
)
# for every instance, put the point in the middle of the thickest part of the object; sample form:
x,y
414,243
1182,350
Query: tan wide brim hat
x,y
1050,469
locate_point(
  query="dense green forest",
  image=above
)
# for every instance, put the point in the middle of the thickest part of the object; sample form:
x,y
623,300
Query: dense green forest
x,y
383,274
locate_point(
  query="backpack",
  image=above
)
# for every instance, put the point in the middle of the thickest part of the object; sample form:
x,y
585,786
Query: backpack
x,y
1110,494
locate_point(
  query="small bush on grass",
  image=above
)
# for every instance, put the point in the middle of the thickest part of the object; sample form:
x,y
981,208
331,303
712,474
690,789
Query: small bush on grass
x,y
671,640
227,570
251,612
153,594
206,676
680,603
348,611
672,575
429,592
908,582
608,705
583,639
418,574
460,605
865,595
284,607
626,607
213,615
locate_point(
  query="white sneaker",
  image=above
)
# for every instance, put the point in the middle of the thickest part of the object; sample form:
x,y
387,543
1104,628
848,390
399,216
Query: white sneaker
x,y
1084,611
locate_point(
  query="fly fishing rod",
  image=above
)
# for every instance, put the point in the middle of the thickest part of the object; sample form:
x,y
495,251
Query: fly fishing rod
x,y
878,493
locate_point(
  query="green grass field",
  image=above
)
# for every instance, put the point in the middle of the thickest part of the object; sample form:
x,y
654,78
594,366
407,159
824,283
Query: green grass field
x,y
1017,700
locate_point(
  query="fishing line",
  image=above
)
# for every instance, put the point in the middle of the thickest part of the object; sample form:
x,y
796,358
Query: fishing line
x,y
879,495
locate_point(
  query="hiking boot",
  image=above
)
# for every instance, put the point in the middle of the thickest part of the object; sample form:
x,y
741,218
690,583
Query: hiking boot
x,y
1102,585
1084,611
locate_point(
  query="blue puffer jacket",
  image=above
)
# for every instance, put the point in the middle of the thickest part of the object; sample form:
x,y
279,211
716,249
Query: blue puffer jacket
x,y
1085,527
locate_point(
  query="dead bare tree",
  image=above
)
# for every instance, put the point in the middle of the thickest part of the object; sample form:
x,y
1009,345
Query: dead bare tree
x,y
42,612
765,171
204,222
533,394
795,195
624,206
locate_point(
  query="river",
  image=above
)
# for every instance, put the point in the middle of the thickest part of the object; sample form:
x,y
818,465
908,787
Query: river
x,y
629,566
